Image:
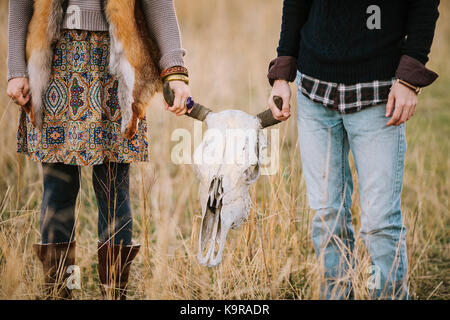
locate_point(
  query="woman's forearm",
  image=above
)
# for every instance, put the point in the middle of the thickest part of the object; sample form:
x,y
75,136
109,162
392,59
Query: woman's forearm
x,y
163,24
20,12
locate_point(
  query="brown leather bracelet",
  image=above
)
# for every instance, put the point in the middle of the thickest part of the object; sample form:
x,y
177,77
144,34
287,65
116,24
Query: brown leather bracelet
x,y
417,90
174,70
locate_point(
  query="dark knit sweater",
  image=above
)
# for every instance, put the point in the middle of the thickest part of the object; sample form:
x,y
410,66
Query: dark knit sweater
x,y
332,42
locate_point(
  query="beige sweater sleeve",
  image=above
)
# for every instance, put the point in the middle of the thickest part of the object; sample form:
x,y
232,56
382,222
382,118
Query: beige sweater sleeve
x,y
20,12
163,24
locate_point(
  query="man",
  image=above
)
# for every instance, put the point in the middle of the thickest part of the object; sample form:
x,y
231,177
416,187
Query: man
x,y
359,66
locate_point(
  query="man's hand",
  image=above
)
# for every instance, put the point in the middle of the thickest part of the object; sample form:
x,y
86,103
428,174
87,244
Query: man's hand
x,y
282,89
18,90
182,92
404,100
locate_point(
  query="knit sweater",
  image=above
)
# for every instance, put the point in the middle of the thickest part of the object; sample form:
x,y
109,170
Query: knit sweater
x,y
87,15
337,41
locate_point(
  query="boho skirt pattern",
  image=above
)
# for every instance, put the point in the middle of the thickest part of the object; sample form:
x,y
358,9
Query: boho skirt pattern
x,y
82,119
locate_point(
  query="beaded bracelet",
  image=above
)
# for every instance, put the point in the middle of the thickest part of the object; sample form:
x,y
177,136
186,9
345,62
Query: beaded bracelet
x,y
174,70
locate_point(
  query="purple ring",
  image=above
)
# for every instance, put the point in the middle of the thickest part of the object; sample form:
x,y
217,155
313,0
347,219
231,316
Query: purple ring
x,y
189,103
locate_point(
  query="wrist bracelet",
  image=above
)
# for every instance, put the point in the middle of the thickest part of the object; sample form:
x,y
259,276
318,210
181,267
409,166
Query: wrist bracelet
x,y
174,70
177,77
417,90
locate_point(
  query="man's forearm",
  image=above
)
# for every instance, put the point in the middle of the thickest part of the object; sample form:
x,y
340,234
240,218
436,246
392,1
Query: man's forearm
x,y
421,24
295,14
422,17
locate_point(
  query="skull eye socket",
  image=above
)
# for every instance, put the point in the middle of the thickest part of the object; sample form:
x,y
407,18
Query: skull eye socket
x,y
251,173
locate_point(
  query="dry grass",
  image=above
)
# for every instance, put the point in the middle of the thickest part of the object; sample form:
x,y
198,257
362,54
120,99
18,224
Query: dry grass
x,y
230,43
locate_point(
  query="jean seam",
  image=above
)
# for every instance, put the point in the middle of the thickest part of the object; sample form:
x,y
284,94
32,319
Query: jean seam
x,y
397,165
343,177
400,269
343,173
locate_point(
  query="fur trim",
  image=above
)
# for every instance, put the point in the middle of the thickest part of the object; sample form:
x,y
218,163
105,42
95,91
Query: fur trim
x,y
43,29
133,60
121,68
134,57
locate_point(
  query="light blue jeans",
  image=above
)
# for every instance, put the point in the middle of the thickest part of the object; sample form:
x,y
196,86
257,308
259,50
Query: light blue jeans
x,y
326,137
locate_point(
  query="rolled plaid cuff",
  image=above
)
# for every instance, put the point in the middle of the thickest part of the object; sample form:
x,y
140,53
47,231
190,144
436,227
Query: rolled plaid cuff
x,y
414,72
282,68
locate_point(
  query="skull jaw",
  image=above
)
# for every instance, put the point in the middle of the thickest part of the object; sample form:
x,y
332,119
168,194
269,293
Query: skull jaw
x,y
212,239
213,234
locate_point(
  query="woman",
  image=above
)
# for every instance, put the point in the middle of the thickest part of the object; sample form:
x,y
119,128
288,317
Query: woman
x,y
83,72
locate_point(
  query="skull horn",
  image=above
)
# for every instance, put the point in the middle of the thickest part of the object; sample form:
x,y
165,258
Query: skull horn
x,y
198,111
266,117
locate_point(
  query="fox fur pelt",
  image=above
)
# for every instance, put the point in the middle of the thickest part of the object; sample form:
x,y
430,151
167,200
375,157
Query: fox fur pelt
x,y
134,57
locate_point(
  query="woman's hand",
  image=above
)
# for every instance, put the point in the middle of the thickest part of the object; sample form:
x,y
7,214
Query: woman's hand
x,y
282,89
182,92
405,101
18,90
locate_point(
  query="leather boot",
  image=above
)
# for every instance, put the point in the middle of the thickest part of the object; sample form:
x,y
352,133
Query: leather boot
x,y
114,262
55,258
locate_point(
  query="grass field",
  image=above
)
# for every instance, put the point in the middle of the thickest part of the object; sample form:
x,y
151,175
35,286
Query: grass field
x,y
230,43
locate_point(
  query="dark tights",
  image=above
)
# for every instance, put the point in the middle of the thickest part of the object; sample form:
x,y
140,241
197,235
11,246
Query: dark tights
x,y
111,183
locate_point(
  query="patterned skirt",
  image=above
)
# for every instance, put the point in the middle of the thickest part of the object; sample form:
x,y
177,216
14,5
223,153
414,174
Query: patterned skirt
x,y
81,124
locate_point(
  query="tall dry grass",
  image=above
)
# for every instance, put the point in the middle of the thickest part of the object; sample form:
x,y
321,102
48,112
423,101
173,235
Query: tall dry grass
x,y
229,44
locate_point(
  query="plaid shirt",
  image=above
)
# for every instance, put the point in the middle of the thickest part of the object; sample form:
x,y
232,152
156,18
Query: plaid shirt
x,y
345,98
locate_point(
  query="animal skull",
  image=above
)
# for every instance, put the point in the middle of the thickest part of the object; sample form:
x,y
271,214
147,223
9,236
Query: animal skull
x,y
227,162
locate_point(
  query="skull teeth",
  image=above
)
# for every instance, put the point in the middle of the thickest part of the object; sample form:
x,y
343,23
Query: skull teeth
x,y
215,193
